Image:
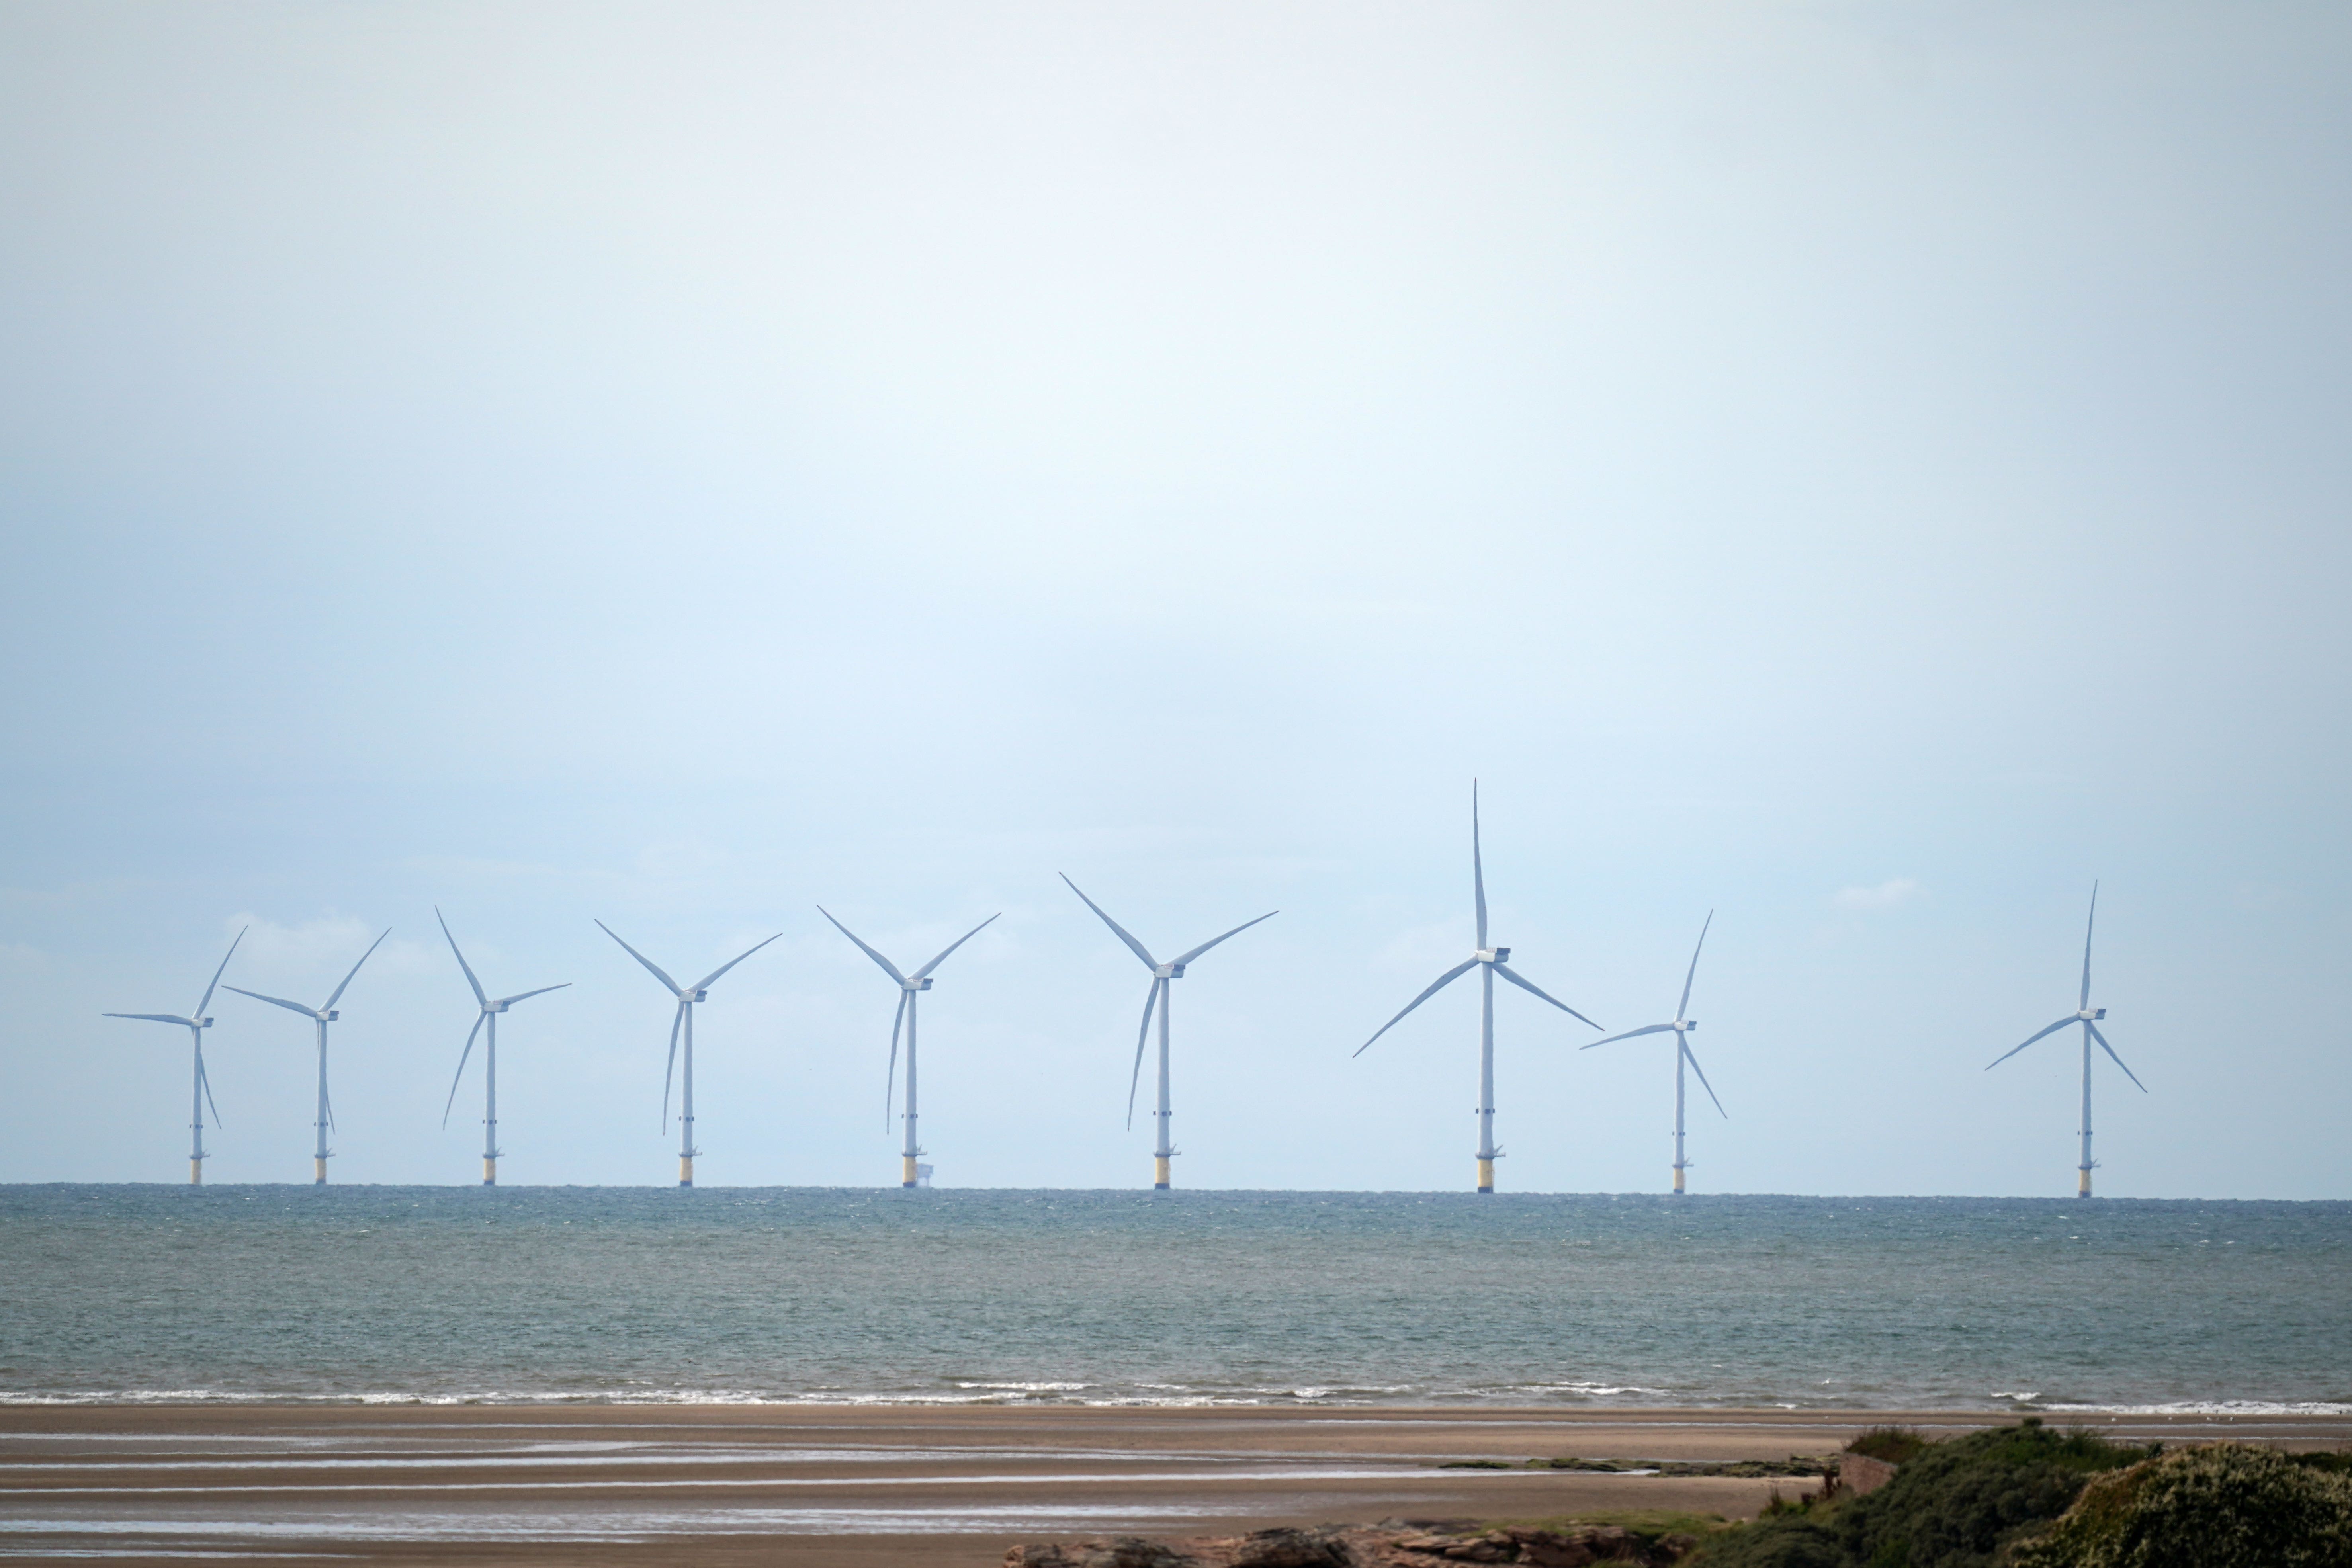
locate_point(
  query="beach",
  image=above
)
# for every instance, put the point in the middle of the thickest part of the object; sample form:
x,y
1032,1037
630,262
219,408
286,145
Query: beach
x,y
866,1485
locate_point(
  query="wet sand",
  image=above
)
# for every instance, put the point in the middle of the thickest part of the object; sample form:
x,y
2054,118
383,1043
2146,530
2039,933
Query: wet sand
x,y
816,1486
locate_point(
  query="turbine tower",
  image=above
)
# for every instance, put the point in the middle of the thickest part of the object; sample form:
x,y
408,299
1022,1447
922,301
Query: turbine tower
x,y
324,1016
1163,977
2088,1016
909,987
688,995
1489,962
1681,1026
489,1014
200,1093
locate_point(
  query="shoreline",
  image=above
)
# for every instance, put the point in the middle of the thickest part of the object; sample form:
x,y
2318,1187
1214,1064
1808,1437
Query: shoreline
x,y
834,1485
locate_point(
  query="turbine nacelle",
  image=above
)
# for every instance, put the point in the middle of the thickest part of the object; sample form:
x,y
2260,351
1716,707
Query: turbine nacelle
x,y
922,982
1686,1026
1492,956
2092,1015
702,995
331,1014
1168,971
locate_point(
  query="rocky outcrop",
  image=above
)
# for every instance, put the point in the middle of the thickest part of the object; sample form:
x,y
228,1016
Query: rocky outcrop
x,y
1859,1475
1371,1546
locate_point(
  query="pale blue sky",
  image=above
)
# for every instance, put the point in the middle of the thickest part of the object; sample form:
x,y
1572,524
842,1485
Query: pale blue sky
x,y
1864,469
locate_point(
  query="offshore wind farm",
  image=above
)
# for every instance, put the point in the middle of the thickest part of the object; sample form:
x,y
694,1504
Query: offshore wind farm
x,y
504,505
1490,960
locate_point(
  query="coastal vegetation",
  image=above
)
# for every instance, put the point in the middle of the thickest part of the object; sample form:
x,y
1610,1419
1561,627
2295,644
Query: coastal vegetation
x,y
2031,1496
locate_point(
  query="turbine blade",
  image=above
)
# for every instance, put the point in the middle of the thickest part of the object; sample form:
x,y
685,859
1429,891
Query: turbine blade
x,y
2087,924
1702,1078
1436,985
957,943
1477,866
1683,1008
889,968
302,1007
1644,1029
1134,1079
221,970
527,995
674,1025
2111,1054
1523,983
658,972
205,1079
468,968
328,1095
463,1057
1134,946
704,983
890,1079
156,1018
354,974
1212,942
2029,1040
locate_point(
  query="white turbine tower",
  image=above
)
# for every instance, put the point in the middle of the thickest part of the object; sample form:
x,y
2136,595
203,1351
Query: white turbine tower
x,y
909,987
1163,978
2088,1016
492,1008
323,1017
688,995
201,1091
1489,962
1681,1028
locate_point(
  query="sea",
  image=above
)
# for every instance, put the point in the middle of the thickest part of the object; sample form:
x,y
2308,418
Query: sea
x,y
586,1295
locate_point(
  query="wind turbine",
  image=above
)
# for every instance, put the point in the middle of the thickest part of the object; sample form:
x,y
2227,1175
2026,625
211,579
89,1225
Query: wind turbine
x,y
688,995
324,1016
1163,977
1681,1028
2088,1016
200,1092
909,987
1489,962
489,1014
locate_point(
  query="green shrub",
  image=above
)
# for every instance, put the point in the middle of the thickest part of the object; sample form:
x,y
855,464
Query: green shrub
x,y
2223,1506
1955,1504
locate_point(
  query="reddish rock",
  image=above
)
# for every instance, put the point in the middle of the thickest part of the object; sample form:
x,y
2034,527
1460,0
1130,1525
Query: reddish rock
x,y
1861,1475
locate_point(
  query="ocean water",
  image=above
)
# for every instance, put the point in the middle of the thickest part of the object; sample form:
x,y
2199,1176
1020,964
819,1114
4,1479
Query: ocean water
x,y
850,1296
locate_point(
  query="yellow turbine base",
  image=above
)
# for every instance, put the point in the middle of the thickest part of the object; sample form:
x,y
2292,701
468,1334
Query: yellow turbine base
x,y
1159,1170
489,1173
319,1172
1486,1175
906,1172
196,1172
1678,1179
686,1170
2083,1186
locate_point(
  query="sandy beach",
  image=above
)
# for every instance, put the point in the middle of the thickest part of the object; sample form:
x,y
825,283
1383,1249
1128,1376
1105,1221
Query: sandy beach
x,y
863,1485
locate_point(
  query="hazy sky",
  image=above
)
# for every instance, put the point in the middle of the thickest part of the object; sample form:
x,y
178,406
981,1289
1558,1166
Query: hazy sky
x,y
1865,469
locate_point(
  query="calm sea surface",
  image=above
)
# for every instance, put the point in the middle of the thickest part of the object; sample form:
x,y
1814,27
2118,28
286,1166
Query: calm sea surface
x,y
629,1294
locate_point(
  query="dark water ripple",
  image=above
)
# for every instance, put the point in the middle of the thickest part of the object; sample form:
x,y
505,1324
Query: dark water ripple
x,y
631,1293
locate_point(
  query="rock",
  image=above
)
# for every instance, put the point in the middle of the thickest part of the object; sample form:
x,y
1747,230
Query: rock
x,y
1551,1549
1118,1551
1291,1548
1394,1543
1483,1550
1860,1475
